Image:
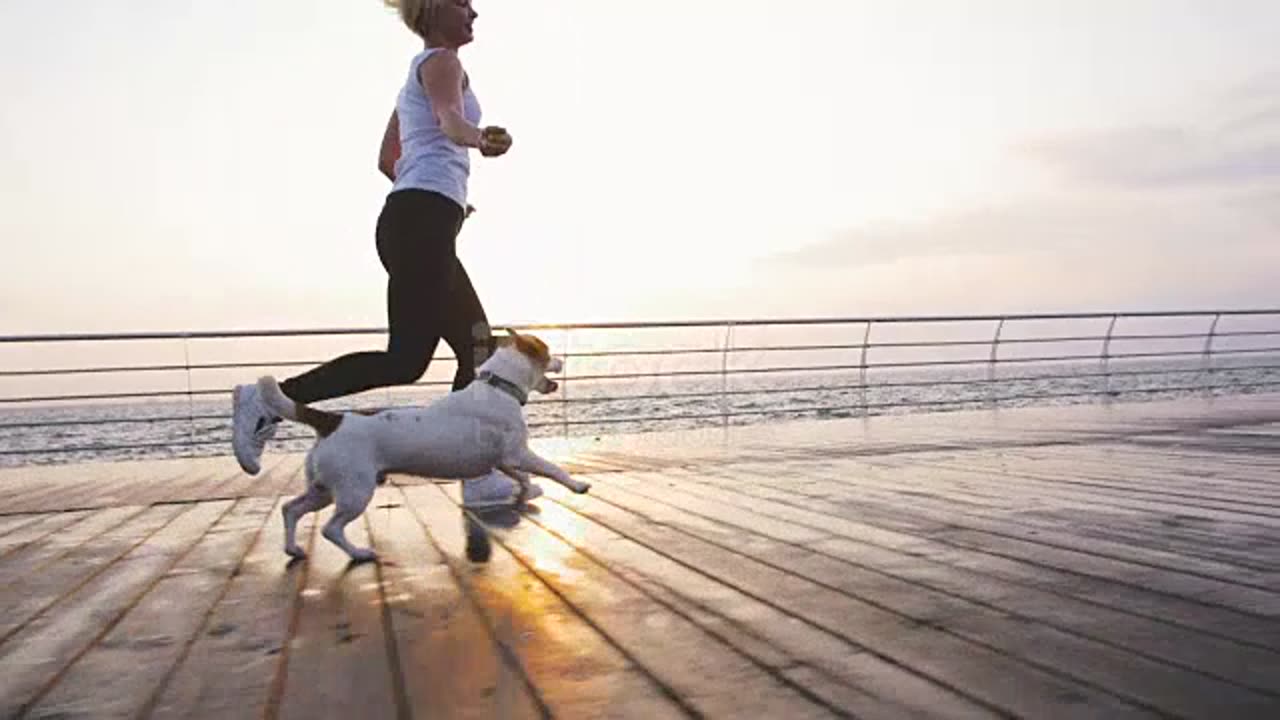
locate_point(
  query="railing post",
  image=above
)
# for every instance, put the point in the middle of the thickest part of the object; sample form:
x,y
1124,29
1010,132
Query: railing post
x,y
724,374
564,384
1106,357
1207,358
991,364
191,399
862,369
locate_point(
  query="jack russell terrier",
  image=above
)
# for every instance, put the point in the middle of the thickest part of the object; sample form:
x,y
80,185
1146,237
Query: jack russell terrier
x,y
464,434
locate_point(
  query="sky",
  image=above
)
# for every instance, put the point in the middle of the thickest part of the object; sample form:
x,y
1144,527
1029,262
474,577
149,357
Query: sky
x,y
211,164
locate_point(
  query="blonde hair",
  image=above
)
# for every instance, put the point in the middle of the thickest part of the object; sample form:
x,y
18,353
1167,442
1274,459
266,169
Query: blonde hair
x,y
416,14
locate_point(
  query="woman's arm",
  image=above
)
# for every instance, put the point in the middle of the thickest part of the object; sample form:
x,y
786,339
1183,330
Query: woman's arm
x,y
390,151
441,76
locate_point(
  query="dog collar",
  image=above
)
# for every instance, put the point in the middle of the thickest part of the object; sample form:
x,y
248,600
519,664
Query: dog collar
x,y
504,385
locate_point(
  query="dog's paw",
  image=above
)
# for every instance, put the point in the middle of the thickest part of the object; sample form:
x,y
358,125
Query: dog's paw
x,y
296,552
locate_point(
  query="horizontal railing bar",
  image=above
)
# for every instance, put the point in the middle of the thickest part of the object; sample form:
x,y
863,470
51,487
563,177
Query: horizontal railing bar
x,y
640,325
980,382
175,368
641,353
686,416
859,406
916,344
692,373
158,394
977,382
907,364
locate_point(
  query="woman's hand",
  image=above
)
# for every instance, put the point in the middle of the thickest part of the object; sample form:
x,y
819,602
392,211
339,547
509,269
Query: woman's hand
x,y
494,141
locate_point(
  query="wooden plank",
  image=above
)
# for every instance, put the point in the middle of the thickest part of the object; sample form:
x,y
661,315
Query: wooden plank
x,y
1088,470
15,521
830,666
1249,666
53,546
25,597
711,675
37,531
1248,590
450,663
1062,488
45,489
1225,660
926,540
230,669
575,670
152,635
983,674
192,486
1025,517
14,481
221,478
1240,545
92,485
1145,679
33,659
1152,471
183,480
286,479
337,666
278,479
1253,466
135,486
1067,476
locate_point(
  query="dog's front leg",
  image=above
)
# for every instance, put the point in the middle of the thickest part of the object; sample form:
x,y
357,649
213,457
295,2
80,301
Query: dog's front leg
x,y
522,479
532,462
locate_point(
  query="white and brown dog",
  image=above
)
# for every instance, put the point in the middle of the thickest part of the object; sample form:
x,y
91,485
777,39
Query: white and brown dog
x,y
464,434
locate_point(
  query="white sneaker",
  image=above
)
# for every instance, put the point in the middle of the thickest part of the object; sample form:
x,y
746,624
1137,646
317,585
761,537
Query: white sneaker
x,y
494,490
251,427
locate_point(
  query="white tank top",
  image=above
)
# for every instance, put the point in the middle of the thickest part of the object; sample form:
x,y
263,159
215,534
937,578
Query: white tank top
x,y
429,160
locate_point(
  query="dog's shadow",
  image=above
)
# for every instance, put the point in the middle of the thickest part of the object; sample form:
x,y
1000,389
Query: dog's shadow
x,y
478,523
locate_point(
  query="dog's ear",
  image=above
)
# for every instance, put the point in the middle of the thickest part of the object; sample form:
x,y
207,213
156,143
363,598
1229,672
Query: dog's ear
x,y
512,333
531,346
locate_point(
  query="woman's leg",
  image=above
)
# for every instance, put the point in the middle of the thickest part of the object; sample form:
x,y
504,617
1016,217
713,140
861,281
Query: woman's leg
x,y
416,237
466,330
416,240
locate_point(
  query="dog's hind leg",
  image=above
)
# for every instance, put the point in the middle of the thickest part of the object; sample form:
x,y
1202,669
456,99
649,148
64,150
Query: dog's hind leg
x,y
315,498
352,498
532,462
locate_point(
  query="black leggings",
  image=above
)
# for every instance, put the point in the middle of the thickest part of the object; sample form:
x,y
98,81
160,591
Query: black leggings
x,y
429,297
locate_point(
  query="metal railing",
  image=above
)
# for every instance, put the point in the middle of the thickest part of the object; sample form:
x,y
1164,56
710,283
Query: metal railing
x,y
645,375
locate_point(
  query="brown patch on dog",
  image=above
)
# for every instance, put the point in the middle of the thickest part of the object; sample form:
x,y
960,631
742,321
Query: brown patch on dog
x,y
533,348
324,422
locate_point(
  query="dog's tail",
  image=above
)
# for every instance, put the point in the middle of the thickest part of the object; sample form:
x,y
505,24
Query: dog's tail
x,y
324,422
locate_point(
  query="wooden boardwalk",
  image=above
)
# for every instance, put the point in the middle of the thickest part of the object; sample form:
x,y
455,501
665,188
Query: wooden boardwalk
x,y
1090,562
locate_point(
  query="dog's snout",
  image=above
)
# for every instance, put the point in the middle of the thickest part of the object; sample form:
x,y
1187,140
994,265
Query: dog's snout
x,y
555,365
552,386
